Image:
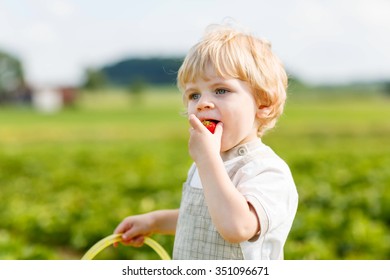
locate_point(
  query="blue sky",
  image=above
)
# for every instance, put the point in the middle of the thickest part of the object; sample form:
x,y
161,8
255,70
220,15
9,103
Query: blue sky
x,y
319,41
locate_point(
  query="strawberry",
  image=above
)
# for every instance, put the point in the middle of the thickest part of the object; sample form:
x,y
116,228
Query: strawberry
x,y
210,125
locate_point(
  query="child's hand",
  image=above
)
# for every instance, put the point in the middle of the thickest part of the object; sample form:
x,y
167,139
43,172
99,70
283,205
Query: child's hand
x,y
202,142
134,229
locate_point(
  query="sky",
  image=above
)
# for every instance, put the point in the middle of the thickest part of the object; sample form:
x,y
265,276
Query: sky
x,y
334,41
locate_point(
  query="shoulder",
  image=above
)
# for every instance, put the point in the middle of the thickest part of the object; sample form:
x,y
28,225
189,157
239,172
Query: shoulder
x,y
265,173
264,160
267,183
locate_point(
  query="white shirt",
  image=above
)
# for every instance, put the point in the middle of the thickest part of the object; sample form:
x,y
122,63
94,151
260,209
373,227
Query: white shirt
x,y
265,180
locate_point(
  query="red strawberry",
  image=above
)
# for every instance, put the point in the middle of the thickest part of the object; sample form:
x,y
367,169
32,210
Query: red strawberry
x,y
210,125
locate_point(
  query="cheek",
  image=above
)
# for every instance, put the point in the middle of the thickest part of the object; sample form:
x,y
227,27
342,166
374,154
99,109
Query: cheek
x,y
242,123
243,117
190,108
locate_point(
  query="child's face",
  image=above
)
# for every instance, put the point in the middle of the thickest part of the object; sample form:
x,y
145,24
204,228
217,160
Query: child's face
x,y
226,100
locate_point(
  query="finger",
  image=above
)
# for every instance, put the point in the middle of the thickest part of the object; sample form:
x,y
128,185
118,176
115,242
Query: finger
x,y
195,122
122,227
138,241
128,236
218,129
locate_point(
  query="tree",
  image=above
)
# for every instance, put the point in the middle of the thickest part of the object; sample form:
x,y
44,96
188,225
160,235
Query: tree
x,y
94,79
11,75
386,87
137,88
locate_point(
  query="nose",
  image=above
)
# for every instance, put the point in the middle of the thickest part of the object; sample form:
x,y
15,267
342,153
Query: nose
x,y
204,103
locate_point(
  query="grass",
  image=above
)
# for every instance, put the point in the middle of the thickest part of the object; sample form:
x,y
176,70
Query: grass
x,y
68,178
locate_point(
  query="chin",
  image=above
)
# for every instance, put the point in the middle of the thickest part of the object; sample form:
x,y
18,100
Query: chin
x,y
227,146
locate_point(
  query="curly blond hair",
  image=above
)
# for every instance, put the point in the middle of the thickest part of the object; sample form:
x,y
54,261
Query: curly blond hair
x,y
237,54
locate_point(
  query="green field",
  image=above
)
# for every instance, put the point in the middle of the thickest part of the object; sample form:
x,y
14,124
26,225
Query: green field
x,y
67,179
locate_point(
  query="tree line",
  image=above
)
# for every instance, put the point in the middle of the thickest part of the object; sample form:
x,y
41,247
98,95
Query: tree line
x,y
134,72
12,83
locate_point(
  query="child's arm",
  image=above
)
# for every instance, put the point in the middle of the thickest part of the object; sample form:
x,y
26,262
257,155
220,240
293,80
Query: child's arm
x,y
234,218
135,228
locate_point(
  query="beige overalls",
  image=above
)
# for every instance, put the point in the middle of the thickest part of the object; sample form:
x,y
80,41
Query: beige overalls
x,y
196,236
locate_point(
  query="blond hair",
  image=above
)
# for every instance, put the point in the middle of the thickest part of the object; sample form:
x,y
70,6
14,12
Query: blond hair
x,y
237,54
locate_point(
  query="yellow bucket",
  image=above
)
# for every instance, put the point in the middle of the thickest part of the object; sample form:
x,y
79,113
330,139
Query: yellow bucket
x,y
111,239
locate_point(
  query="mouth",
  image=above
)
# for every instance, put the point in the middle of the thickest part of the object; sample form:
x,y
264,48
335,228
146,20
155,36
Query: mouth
x,y
210,121
210,124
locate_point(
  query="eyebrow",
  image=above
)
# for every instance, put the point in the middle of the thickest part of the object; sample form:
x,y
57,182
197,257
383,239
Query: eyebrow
x,y
224,83
220,84
189,90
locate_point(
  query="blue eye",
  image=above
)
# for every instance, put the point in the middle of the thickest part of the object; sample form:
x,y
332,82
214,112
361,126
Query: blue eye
x,y
194,96
221,91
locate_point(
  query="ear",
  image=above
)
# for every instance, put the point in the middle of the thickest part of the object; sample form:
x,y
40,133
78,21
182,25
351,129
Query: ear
x,y
263,112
